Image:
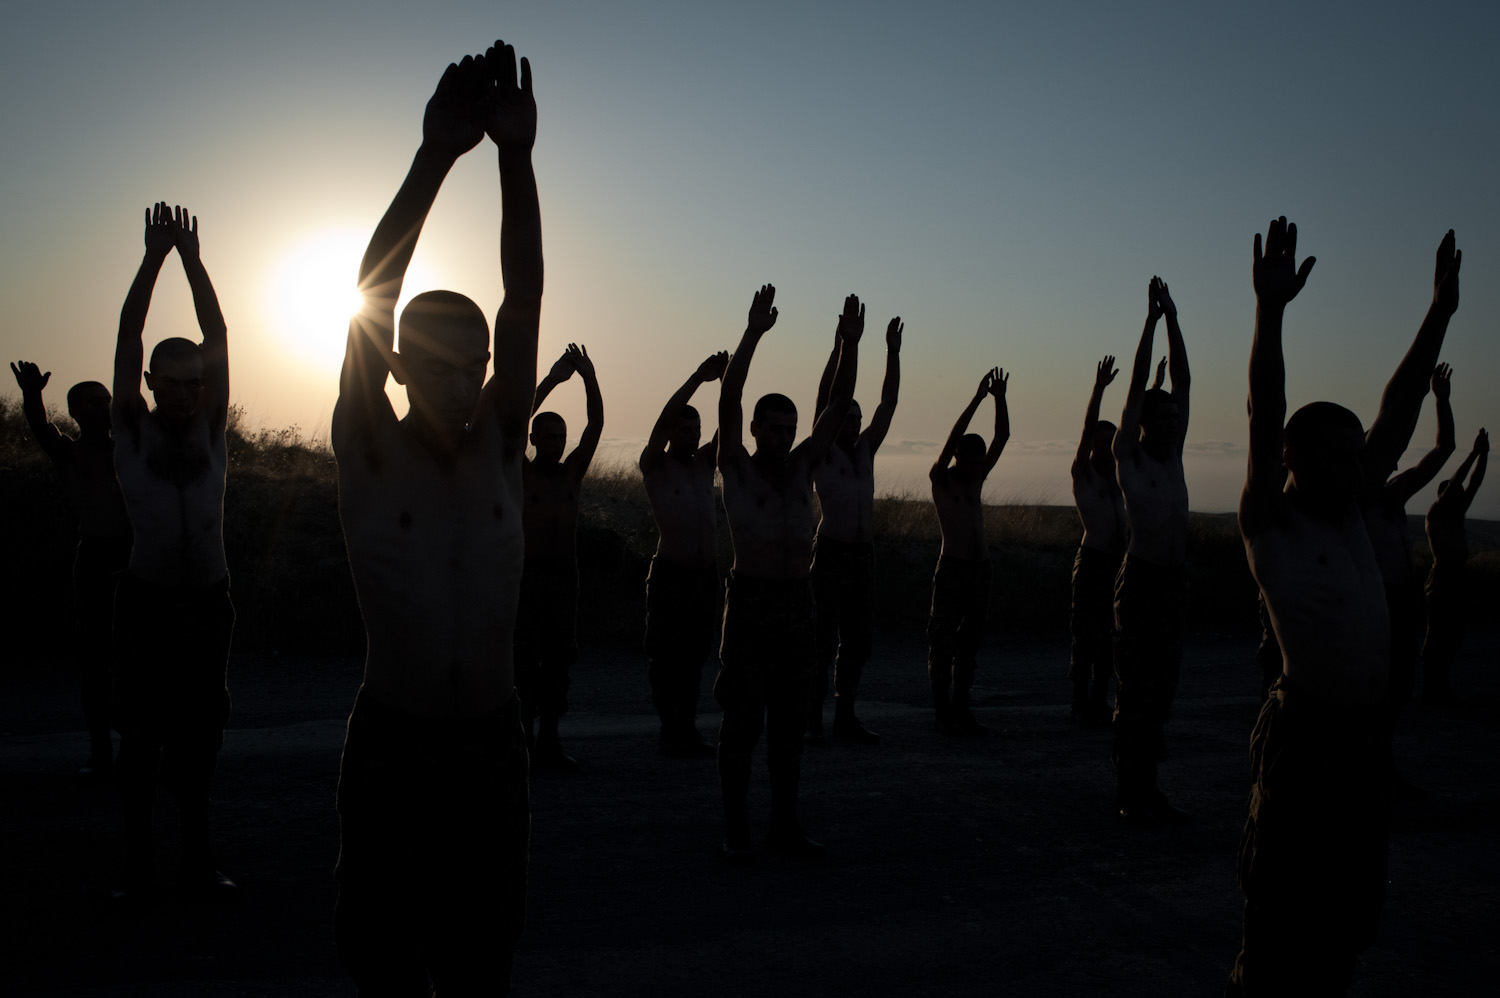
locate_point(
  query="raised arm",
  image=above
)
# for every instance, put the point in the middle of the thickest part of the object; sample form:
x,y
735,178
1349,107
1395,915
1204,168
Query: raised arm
x,y
1481,457
1127,437
1277,280
1177,363
1161,374
562,370
31,381
588,442
1104,373
451,126
210,321
731,391
1002,421
825,381
961,425
890,388
126,403
841,393
711,369
510,121
1401,402
1408,483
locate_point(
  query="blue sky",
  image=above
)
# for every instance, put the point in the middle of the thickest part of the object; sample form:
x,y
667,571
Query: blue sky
x,y
1007,180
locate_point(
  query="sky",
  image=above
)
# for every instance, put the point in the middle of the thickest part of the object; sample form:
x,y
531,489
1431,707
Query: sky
x,y
1006,178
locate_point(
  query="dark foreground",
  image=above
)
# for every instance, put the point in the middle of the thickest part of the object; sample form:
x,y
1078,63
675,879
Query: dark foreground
x,y
958,867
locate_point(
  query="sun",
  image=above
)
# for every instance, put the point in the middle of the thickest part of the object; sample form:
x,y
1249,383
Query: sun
x,y
313,294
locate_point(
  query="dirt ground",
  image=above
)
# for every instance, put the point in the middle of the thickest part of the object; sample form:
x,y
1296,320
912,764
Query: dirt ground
x,y
957,867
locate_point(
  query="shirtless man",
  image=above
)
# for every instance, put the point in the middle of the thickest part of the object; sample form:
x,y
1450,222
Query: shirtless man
x,y
1313,853
961,584
683,592
843,569
1150,587
173,617
1101,509
768,657
434,817
86,466
546,627
1447,587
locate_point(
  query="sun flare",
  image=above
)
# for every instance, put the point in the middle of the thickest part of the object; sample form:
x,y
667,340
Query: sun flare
x,y
313,294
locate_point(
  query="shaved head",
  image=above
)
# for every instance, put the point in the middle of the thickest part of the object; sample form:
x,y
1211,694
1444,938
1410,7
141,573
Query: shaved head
x,y
443,324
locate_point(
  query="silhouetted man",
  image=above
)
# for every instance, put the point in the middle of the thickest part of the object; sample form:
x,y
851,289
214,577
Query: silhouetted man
x,y
843,569
173,617
546,627
1447,583
1151,585
683,592
1101,509
768,658
434,818
86,466
1312,858
961,584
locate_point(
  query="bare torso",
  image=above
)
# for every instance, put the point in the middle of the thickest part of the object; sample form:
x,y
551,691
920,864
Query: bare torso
x,y
87,471
1390,536
960,509
845,483
1327,604
1101,509
769,507
551,514
1446,535
682,501
172,481
1156,505
436,550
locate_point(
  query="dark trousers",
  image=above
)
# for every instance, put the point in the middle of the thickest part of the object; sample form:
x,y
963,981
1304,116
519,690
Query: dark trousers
x,y
1446,592
434,828
171,702
767,670
97,566
1312,857
1148,661
682,611
843,576
546,641
1091,620
955,627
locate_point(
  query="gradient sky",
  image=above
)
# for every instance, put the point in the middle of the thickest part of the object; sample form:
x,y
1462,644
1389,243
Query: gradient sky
x,y
1006,181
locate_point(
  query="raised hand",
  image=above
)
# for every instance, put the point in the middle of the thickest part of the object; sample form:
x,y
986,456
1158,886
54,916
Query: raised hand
x,y
185,228
1442,381
1161,373
579,357
762,310
987,383
852,323
1153,305
893,335
1105,372
562,368
455,118
1482,442
1162,297
712,369
998,380
29,377
161,233
1445,274
1276,276
510,113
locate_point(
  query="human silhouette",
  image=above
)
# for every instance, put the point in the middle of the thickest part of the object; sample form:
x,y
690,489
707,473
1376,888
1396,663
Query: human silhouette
x,y
961,583
1383,494
1312,857
683,592
1101,510
434,818
1151,584
546,626
1447,582
86,467
173,617
767,657
843,568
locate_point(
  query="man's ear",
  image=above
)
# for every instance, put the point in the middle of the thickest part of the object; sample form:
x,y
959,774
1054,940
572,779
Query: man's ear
x,y
150,378
398,368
